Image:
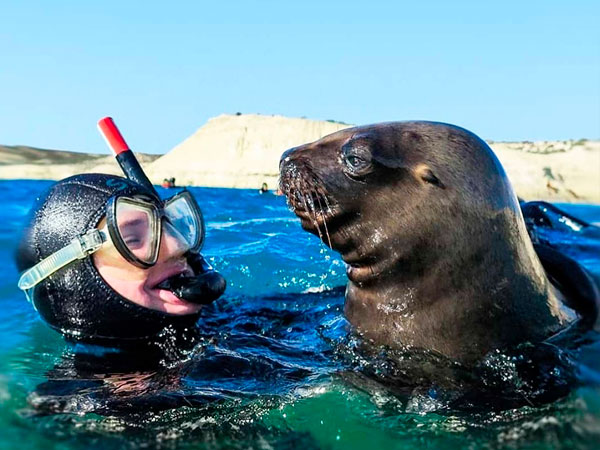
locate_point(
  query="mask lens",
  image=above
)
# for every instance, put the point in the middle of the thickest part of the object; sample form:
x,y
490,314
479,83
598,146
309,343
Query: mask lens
x,y
137,227
184,215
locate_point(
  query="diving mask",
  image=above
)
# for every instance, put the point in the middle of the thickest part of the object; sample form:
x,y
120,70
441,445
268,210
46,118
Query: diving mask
x,y
134,225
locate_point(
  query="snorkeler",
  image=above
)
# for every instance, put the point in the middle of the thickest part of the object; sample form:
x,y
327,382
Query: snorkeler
x,y
104,260
264,189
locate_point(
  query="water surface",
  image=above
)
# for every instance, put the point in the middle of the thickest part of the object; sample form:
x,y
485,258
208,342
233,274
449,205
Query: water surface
x,y
276,367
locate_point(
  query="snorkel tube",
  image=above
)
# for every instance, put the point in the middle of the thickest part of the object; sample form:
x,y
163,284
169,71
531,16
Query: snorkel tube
x,y
207,285
123,154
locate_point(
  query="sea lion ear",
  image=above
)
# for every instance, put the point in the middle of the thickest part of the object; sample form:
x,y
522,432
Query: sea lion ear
x,y
425,173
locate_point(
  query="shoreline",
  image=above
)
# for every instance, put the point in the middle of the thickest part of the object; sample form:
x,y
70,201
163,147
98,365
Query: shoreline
x,y
243,151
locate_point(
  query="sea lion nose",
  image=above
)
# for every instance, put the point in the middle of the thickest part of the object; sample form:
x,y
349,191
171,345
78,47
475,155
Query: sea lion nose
x,y
296,154
286,156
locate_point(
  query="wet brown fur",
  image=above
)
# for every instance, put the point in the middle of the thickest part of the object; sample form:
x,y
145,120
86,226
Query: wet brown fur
x,y
437,251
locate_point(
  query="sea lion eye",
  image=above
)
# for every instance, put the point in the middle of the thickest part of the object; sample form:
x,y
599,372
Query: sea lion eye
x,y
356,159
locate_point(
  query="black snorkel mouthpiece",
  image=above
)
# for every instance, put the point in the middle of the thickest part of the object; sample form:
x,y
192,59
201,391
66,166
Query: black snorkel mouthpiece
x,y
203,288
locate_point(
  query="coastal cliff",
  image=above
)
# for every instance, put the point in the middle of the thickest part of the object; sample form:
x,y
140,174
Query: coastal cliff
x,y
239,151
243,151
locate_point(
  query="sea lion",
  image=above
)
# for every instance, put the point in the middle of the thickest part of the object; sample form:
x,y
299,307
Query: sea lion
x,y
438,256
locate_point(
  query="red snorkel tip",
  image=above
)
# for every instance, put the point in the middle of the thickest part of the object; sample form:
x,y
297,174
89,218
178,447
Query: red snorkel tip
x,y
112,135
123,154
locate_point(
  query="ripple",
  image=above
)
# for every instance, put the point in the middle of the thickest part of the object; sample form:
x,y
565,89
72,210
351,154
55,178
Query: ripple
x,y
279,366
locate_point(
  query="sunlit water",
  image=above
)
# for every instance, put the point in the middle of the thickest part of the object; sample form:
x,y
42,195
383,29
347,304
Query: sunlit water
x,y
276,367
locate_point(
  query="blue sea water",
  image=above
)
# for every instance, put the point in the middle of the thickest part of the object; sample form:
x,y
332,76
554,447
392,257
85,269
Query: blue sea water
x,y
273,370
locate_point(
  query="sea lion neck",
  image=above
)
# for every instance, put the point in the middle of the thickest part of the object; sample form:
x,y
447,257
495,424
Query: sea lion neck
x,y
474,288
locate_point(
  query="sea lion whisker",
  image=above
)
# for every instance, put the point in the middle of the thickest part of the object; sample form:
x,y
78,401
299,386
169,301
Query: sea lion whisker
x,y
306,205
323,216
312,215
326,201
295,196
311,202
306,193
313,195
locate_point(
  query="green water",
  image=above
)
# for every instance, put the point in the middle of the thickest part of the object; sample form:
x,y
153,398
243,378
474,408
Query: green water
x,y
273,371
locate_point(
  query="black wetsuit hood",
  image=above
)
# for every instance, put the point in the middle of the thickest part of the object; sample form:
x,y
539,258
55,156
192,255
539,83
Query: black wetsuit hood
x,y
76,301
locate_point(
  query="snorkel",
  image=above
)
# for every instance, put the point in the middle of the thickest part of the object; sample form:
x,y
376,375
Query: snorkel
x,y
207,284
62,240
123,154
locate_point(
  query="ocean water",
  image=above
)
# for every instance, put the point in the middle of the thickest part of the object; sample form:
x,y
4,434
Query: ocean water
x,y
278,365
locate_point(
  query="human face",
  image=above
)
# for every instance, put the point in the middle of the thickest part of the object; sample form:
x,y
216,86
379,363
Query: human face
x,y
139,285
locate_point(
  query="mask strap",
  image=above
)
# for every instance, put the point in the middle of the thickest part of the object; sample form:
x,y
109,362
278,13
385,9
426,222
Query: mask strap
x,y
79,248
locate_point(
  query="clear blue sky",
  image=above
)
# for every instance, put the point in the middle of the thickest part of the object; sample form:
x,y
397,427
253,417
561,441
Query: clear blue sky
x,y
507,70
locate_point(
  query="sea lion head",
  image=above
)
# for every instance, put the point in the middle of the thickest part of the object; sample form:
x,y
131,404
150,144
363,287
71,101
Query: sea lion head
x,y
428,225
379,194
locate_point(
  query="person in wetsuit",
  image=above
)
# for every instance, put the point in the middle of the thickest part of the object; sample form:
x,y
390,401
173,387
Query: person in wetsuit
x,y
105,260
116,269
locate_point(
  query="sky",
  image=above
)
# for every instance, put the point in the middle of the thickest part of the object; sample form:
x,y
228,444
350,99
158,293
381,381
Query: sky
x,y
506,70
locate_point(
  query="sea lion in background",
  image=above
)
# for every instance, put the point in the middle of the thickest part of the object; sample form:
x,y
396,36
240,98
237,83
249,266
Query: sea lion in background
x,y
437,252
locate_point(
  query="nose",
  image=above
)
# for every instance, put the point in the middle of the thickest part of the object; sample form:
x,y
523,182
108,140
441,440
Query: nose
x,y
286,156
172,243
